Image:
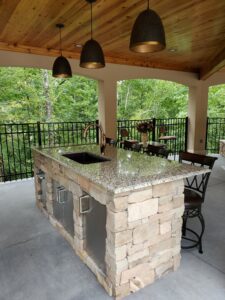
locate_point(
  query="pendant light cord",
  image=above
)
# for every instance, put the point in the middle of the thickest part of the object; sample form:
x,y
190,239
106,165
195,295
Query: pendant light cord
x,y
60,41
148,4
91,21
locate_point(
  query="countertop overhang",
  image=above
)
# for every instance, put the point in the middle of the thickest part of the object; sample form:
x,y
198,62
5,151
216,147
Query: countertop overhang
x,y
125,171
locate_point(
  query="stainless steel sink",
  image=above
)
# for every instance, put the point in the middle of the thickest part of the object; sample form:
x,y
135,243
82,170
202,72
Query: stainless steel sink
x,y
86,157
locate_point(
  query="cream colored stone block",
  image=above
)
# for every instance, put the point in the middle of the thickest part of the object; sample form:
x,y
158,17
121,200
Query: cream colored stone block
x,y
149,208
178,201
161,246
164,268
118,204
116,221
165,216
134,224
119,238
176,261
178,212
176,224
75,189
139,196
139,261
176,250
142,210
79,245
145,232
165,199
165,227
84,184
158,238
134,213
161,258
138,255
166,207
121,291
71,175
142,273
116,267
112,276
118,253
80,232
145,220
132,249
164,189
100,193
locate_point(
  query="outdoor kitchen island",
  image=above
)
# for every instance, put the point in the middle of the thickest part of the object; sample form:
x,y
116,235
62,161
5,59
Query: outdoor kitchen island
x,y
122,216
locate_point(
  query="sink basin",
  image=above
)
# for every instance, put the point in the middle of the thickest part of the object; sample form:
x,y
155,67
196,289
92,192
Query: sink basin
x,y
86,158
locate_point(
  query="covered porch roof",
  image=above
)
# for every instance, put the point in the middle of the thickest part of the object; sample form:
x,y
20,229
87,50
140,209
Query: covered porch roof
x,y
194,55
194,31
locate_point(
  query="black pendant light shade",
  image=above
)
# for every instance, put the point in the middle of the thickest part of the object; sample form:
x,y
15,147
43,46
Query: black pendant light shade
x,y
92,56
148,34
61,67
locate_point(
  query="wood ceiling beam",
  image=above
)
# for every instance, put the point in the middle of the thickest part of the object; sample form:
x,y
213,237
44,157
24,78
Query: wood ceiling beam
x,y
109,57
215,65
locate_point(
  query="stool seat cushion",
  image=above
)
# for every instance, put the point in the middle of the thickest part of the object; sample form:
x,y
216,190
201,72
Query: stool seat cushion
x,y
192,199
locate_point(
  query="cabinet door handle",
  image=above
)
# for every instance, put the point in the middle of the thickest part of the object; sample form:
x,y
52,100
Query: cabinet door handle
x,y
59,192
85,204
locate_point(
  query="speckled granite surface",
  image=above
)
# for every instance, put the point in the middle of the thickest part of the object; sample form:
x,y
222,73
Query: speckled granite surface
x,y
126,170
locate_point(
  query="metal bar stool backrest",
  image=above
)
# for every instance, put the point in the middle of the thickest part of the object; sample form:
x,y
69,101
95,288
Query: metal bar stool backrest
x,y
198,183
127,145
194,194
110,141
157,151
132,146
136,147
124,133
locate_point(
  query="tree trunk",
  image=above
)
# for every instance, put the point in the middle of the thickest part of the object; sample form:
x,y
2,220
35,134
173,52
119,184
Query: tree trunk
x,y
48,103
127,96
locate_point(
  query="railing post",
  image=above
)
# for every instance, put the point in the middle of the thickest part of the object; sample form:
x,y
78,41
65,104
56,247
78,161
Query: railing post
x,y
97,131
206,134
186,133
39,133
154,129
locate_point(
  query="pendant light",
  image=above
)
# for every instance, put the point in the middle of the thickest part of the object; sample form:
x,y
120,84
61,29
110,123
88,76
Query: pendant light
x,y
61,67
148,33
92,56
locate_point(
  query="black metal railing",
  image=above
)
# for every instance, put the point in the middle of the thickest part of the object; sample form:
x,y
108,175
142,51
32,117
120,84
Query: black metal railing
x,y
215,132
16,140
177,127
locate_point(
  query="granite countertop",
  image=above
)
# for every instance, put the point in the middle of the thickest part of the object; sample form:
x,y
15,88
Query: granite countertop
x,y
126,170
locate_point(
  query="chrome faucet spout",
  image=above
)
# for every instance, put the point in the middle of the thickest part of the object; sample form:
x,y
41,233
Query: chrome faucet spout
x,y
102,141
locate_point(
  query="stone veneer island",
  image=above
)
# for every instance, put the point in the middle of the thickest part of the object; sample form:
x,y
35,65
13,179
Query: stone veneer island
x,y
122,217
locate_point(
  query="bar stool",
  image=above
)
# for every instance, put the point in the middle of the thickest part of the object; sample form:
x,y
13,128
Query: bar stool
x,y
166,138
194,195
157,151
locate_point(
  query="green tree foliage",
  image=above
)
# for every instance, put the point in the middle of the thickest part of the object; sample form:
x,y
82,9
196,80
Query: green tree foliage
x,y
145,98
24,98
30,95
216,102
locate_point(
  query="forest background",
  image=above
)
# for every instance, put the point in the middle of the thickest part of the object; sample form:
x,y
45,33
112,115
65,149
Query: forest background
x,y
30,95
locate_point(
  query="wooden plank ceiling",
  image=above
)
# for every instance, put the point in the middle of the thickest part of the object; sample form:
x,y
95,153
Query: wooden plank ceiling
x,y
195,30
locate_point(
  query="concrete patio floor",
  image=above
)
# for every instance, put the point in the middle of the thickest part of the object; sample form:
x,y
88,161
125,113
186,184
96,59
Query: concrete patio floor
x,y
37,263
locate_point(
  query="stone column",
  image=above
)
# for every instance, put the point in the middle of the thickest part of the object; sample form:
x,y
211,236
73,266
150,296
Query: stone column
x,y
107,106
197,115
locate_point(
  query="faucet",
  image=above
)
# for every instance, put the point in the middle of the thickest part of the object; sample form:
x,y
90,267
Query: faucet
x,y
102,135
